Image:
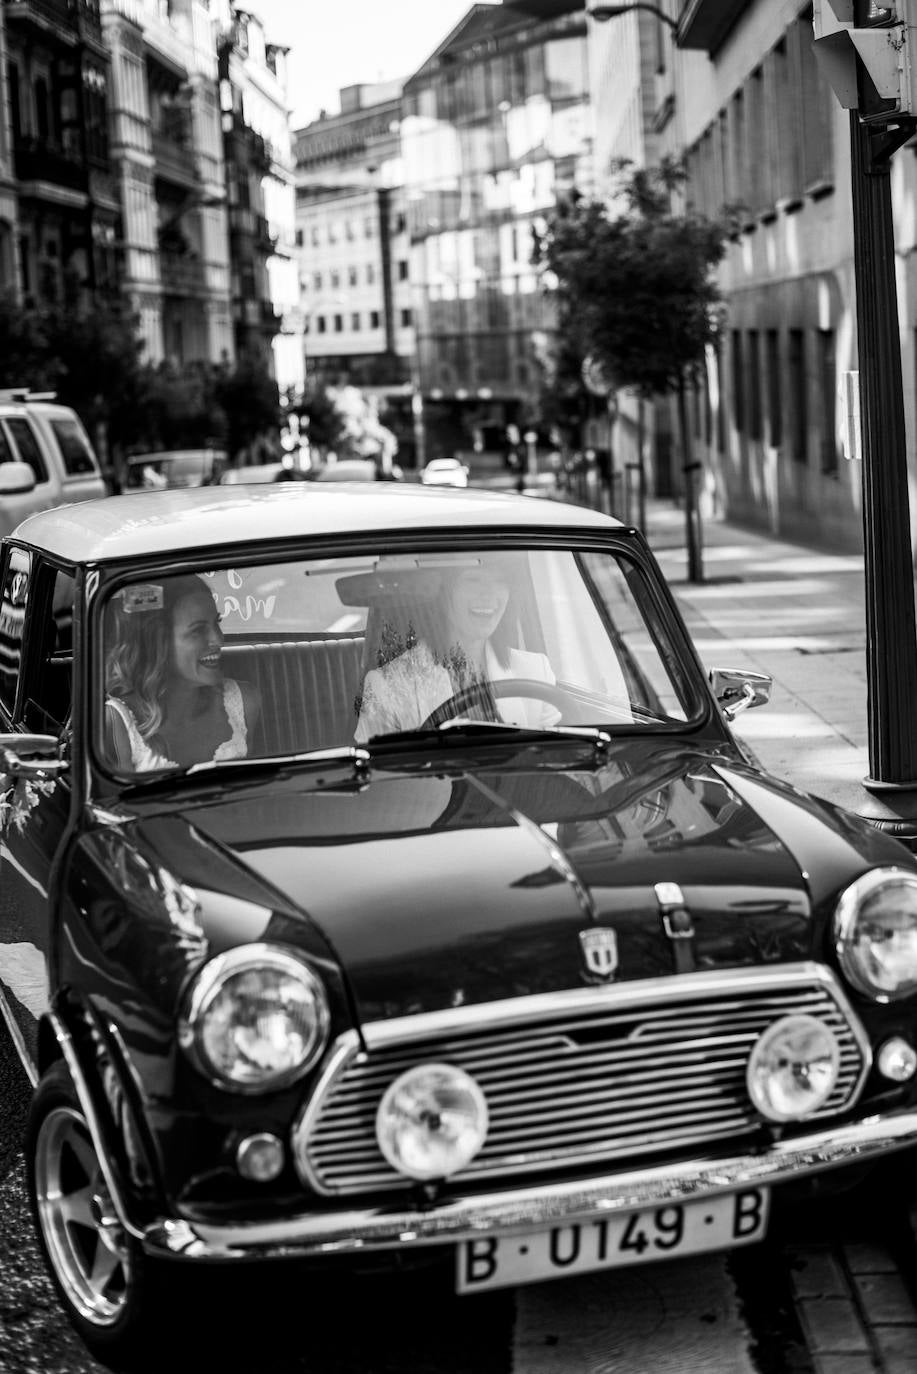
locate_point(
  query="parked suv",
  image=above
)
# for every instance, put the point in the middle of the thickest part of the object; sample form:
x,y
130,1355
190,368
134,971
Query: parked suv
x,y
46,458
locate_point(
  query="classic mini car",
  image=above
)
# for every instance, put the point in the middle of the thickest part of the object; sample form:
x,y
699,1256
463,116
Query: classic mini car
x,y
473,935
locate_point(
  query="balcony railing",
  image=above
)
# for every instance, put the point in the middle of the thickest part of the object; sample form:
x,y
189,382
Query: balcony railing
x,y
182,275
174,161
36,160
42,14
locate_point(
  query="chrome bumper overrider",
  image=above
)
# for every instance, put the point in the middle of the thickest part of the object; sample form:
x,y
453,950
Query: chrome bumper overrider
x,y
357,1230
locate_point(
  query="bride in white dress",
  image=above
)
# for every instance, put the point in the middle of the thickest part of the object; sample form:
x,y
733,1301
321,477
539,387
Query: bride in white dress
x,y
458,648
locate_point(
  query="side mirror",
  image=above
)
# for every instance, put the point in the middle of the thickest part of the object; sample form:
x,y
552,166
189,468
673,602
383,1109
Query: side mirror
x,y
31,756
738,689
16,478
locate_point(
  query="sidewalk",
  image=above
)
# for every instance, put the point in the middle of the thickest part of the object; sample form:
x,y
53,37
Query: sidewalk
x,y
797,614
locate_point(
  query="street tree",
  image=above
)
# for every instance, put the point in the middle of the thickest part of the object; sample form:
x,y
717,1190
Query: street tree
x,y
637,295
248,396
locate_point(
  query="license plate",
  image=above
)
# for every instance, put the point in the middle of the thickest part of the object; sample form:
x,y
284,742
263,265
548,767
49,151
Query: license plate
x,y
688,1228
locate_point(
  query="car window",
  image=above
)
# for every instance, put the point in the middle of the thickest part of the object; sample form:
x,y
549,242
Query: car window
x,y
49,677
14,597
75,448
6,453
325,652
27,444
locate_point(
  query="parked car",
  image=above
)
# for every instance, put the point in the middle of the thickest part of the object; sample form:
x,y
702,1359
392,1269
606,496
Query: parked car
x,y
186,467
46,458
529,972
256,472
445,472
356,470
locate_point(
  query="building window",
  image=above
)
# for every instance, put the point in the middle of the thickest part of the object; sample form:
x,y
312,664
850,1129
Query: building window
x,y
406,319
369,227
348,230
352,276
314,235
754,385
355,320
335,278
322,324
796,359
374,319
370,274
402,269
827,379
339,324
299,238
332,232
738,383
317,280
774,406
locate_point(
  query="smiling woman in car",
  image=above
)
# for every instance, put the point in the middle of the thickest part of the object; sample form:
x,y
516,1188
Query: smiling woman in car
x,y
168,704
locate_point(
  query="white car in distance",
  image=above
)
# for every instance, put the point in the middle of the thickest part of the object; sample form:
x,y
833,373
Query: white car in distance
x,y
445,472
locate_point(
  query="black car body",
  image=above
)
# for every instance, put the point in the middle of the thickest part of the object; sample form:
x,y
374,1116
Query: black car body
x,y
560,996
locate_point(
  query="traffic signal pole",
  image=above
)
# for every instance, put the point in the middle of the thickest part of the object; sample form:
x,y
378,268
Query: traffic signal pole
x,y
891,629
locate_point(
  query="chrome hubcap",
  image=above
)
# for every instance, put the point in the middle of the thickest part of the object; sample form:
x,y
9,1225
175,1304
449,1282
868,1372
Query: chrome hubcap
x,y
85,1240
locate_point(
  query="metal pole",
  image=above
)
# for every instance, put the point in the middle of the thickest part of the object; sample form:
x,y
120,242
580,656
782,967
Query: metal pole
x,y
891,632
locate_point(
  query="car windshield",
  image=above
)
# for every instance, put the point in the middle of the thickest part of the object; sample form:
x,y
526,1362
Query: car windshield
x,y
312,654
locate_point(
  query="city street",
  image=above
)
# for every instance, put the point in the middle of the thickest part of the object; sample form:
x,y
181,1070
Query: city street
x,y
832,1289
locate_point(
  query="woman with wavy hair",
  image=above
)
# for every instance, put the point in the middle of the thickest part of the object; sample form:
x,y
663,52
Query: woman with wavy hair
x,y
167,702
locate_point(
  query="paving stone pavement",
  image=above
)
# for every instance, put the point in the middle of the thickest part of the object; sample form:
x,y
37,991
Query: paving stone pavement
x,y
796,613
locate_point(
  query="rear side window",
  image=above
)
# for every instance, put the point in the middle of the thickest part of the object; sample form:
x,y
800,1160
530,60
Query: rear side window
x,y
6,453
74,446
27,444
14,597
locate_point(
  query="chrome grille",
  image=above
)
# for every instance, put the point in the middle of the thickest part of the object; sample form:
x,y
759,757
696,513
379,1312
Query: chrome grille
x,y
579,1086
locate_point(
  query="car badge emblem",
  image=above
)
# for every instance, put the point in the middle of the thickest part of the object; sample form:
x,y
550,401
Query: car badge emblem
x,y
600,953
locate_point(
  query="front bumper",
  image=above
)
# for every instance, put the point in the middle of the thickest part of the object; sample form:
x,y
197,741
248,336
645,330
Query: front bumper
x,y
516,1210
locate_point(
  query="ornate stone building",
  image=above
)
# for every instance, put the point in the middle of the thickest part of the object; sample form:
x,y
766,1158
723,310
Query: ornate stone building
x,y
166,146
63,209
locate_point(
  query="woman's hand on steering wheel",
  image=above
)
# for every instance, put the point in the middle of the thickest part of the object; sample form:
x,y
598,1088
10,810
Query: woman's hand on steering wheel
x,y
482,694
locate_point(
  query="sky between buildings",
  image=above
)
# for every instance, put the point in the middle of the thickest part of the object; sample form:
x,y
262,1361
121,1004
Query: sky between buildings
x,y
335,43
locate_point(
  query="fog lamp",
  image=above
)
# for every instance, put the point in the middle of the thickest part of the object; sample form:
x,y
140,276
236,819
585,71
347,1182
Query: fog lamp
x,y
432,1121
793,1068
897,1060
260,1157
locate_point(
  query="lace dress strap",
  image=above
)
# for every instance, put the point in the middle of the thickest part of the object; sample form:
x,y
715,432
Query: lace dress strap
x,y
236,747
143,757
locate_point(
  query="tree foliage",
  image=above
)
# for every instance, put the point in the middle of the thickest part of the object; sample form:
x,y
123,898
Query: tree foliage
x,y
636,289
92,358
249,399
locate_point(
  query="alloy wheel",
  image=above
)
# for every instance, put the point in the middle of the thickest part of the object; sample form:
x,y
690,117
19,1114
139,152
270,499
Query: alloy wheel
x,y
84,1238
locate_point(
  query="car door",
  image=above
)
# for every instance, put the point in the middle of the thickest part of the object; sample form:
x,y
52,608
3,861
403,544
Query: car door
x,y
37,602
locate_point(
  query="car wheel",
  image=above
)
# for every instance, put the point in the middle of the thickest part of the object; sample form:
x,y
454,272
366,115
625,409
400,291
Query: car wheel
x,y
99,1270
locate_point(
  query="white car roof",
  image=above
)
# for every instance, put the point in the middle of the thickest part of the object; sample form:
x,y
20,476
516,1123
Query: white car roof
x,y
154,522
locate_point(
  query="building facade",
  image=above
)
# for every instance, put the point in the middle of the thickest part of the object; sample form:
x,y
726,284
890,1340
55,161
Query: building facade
x,y
765,133
495,131
257,150
166,145
352,241
59,224
9,197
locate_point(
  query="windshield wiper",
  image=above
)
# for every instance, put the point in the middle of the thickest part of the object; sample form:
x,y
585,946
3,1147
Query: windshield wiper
x,y
355,756
465,729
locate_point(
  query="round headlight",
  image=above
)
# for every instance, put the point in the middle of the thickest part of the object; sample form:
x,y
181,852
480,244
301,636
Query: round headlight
x,y
255,1018
793,1068
432,1121
876,933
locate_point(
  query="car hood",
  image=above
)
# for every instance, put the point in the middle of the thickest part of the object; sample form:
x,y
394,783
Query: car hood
x,y
443,891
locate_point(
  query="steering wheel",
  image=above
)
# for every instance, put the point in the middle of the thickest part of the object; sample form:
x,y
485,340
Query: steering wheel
x,y
480,694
